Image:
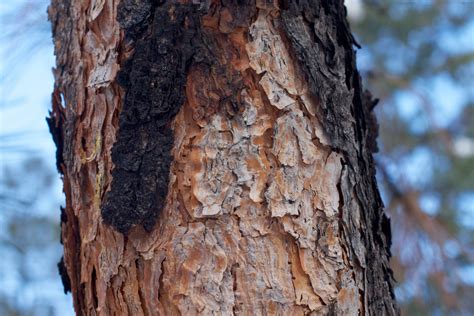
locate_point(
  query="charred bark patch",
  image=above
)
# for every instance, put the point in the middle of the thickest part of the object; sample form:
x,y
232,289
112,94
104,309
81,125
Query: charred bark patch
x,y
64,276
173,48
55,123
319,36
154,79
134,16
373,127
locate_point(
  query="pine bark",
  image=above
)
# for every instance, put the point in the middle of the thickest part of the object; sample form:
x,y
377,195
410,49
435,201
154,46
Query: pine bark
x,y
216,159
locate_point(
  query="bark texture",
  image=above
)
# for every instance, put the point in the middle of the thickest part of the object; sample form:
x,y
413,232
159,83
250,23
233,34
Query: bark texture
x,y
216,159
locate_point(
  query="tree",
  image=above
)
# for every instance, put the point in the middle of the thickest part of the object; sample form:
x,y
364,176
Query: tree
x,y
216,158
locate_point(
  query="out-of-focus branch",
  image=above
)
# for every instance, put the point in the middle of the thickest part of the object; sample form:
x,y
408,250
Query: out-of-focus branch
x,y
409,200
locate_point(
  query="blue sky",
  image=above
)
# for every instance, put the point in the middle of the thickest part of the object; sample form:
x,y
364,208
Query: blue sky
x,y
25,91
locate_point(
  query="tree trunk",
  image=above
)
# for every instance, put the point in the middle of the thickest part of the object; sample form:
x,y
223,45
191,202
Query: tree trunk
x,y
217,159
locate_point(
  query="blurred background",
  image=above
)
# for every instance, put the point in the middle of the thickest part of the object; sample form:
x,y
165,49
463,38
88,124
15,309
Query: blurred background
x,y
417,57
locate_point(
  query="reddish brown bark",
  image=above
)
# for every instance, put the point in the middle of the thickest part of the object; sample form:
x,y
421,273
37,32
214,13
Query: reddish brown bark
x,y
272,205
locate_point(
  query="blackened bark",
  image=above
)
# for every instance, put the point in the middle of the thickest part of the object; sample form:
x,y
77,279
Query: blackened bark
x,y
64,276
321,39
153,79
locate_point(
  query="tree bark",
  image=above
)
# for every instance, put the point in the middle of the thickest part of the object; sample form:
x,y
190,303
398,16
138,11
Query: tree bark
x,y
216,159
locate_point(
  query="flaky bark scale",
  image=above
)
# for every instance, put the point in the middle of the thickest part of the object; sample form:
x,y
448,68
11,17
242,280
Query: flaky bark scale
x,y
216,160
